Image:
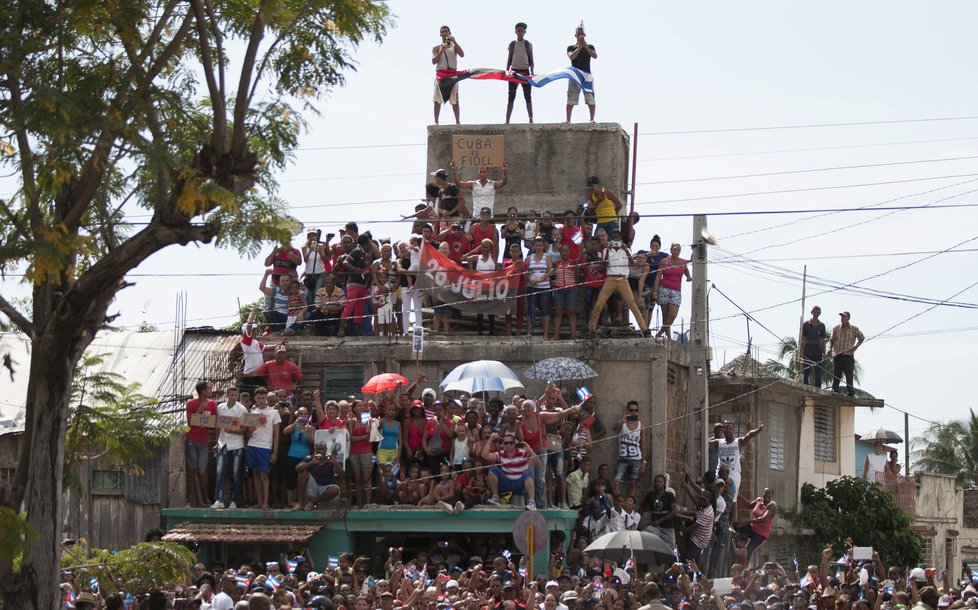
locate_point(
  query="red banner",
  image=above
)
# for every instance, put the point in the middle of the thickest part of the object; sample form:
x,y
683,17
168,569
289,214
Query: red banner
x,y
487,292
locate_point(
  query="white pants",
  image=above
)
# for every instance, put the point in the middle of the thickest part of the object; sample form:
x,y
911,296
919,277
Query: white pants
x,y
410,299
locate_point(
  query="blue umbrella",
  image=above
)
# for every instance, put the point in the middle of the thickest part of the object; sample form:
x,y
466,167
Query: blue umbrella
x,y
559,369
481,376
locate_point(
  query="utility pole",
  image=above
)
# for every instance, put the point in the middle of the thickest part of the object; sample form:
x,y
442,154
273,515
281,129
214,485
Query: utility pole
x,y
698,387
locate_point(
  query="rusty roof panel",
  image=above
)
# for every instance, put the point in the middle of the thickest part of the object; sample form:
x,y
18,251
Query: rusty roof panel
x,y
240,532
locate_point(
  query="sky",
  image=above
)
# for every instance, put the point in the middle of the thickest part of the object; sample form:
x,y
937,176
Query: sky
x,y
749,107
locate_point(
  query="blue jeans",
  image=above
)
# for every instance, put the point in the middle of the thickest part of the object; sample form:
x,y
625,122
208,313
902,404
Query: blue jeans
x,y
608,227
319,279
234,458
537,297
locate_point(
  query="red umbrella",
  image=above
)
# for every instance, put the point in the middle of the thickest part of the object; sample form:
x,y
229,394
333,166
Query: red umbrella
x,y
384,383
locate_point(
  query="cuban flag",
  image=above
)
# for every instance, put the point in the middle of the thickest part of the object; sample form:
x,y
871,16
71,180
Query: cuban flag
x,y
522,571
242,580
447,79
292,565
272,583
806,581
583,80
93,584
71,597
583,393
128,601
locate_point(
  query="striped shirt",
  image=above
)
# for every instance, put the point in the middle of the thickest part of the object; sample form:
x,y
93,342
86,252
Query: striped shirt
x,y
844,339
704,527
514,466
564,274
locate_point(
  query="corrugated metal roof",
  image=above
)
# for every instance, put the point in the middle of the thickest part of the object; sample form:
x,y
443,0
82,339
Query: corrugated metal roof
x,y
239,532
146,358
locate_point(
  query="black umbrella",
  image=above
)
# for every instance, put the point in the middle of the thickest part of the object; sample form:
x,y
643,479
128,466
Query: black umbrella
x,y
881,435
646,547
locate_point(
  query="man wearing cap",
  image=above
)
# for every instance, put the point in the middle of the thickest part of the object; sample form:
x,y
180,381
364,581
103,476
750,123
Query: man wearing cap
x,y
846,338
280,373
445,57
458,242
520,60
450,203
316,256
580,53
813,338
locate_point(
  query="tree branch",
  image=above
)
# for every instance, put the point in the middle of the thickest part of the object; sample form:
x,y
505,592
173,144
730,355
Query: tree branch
x,y
238,140
219,135
16,317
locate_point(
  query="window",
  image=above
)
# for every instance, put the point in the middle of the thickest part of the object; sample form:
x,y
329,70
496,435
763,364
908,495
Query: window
x,y
108,481
7,476
341,381
775,428
928,551
825,434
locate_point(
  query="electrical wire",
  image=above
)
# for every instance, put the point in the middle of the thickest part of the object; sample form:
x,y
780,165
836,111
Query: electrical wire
x,y
806,126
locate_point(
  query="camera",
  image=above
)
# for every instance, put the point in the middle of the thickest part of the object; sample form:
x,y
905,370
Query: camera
x,y
770,566
616,243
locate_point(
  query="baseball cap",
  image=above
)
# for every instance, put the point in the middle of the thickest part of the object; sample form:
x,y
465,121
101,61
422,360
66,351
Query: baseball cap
x,y
845,313
427,392
417,404
440,173
281,348
552,583
486,210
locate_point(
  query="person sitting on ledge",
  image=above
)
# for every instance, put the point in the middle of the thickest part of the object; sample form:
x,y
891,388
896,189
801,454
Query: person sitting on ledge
x,y
512,470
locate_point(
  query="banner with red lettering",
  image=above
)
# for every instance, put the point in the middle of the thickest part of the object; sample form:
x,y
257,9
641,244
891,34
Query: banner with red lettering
x,y
486,292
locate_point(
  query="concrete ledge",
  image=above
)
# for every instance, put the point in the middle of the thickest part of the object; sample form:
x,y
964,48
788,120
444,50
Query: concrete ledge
x,y
548,162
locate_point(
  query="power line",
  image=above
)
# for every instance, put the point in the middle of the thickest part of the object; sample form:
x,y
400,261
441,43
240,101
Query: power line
x,y
810,149
809,170
805,126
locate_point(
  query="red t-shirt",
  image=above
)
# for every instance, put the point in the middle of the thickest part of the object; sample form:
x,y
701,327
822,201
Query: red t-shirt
x,y
199,434
280,376
458,245
283,261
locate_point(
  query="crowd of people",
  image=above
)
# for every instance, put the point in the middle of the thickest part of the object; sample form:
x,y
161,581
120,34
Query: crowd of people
x,y
478,572
580,260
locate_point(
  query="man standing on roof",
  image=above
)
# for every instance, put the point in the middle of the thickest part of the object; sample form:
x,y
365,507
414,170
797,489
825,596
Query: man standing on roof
x,y
813,338
445,57
520,60
846,338
580,53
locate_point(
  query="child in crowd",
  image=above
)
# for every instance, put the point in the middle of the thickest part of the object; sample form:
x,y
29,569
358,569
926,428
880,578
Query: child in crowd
x,y
445,493
387,489
410,490
384,304
461,446
477,491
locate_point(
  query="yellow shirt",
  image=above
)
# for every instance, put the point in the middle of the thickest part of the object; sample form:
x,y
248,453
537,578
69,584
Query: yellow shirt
x,y
605,209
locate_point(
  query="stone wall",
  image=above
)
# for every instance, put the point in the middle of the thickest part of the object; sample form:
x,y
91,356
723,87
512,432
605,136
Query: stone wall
x,y
548,163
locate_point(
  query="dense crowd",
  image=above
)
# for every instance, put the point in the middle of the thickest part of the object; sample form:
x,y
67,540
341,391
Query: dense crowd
x,y
577,261
477,572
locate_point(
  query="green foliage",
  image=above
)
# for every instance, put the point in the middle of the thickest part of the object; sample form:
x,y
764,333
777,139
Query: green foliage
x,y
951,449
15,533
110,422
257,308
853,512
143,567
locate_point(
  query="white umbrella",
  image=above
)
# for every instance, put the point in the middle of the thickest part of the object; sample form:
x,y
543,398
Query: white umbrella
x,y
481,376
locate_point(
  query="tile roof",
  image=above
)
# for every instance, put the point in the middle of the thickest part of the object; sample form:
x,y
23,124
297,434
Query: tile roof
x,y
241,532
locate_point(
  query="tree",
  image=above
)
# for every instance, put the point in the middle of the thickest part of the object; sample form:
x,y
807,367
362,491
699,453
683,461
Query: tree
x,y
143,567
950,448
787,366
110,422
178,109
853,512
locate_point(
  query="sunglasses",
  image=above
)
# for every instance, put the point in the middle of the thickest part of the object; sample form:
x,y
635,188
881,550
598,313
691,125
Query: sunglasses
x,y
508,443
633,410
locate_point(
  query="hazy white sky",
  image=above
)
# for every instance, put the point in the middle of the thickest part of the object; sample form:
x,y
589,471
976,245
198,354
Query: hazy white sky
x,y
697,67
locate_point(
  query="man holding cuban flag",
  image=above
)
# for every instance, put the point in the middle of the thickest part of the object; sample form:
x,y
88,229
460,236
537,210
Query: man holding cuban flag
x,y
581,53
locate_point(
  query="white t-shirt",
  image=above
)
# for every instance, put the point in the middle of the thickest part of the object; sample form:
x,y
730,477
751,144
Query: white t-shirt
x,y
229,439
720,508
251,351
617,262
263,436
483,196
876,465
729,454
222,601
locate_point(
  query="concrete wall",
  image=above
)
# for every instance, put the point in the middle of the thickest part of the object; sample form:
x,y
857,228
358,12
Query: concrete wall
x,y
548,163
629,369
818,472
